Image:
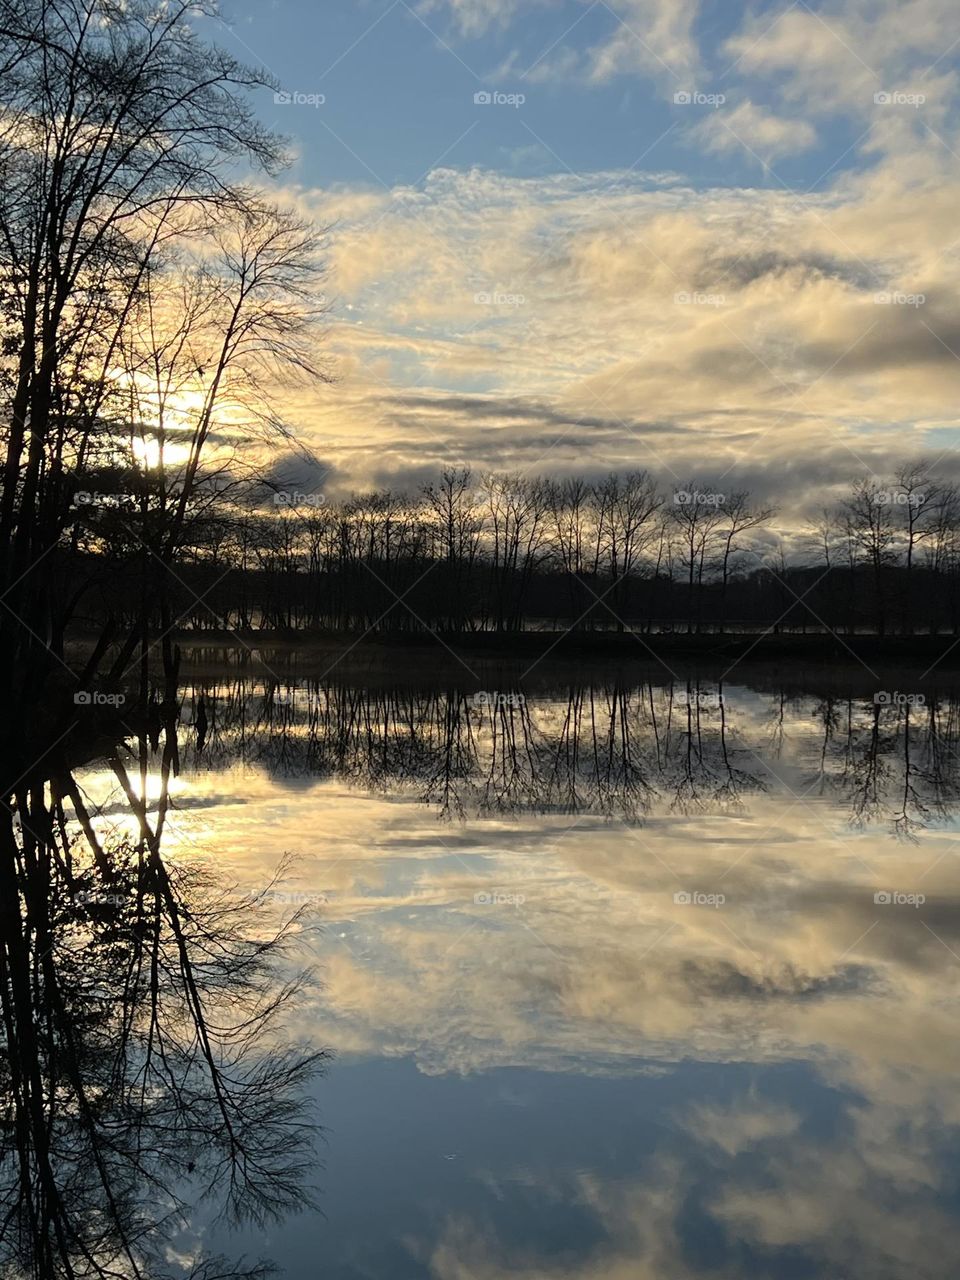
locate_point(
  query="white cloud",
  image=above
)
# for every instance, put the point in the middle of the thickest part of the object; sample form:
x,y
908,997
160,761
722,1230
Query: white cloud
x,y
474,18
654,37
649,37
835,59
755,130
732,326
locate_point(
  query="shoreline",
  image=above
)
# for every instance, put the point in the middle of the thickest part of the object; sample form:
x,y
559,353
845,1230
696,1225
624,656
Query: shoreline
x,y
916,650
496,660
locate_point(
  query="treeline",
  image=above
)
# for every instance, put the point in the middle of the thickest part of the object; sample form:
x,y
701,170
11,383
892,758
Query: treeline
x,y
512,552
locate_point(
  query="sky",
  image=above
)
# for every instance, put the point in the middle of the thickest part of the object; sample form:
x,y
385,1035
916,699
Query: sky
x,y
714,239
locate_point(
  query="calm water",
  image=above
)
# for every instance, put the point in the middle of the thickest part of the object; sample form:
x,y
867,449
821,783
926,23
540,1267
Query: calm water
x,y
621,981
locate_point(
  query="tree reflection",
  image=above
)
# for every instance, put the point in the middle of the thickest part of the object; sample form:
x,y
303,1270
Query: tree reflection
x,y
143,1066
607,749
897,767
603,748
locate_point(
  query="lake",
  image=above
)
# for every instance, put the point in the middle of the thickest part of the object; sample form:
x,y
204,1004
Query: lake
x,y
621,979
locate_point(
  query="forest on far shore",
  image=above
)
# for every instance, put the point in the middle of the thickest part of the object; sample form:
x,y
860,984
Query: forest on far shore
x,y
508,553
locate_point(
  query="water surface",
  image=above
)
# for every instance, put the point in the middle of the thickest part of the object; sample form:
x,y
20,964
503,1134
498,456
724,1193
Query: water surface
x,y
622,979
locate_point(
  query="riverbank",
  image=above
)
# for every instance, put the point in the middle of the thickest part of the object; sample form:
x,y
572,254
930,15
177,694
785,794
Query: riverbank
x,y
916,651
860,665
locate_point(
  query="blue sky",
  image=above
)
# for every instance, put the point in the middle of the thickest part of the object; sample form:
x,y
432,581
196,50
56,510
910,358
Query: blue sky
x,y
760,283
399,82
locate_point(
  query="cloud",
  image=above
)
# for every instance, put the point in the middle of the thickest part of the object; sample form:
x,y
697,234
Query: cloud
x,y
560,321
756,130
654,37
472,18
512,412
611,320
294,471
835,59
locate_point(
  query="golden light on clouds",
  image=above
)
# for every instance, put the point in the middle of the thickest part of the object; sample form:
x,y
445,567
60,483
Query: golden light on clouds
x,y
622,321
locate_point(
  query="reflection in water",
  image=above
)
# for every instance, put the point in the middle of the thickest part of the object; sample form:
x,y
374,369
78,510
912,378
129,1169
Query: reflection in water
x,y
591,749
143,1069
625,981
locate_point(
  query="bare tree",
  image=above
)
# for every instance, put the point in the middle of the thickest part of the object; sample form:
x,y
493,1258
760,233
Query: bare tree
x,y
625,507
738,516
869,525
118,129
917,497
698,516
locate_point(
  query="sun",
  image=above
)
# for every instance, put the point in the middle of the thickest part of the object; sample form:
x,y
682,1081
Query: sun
x,y
147,453
174,424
